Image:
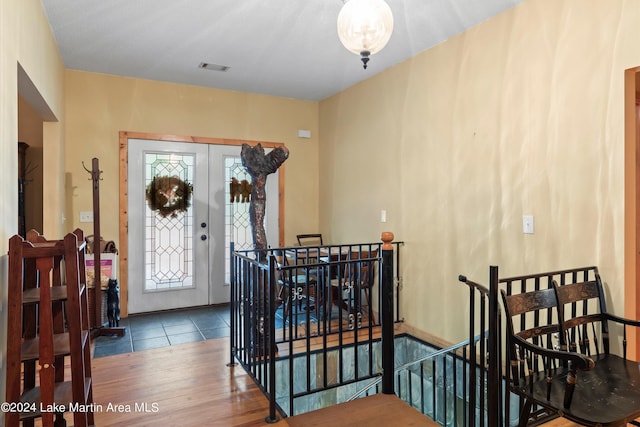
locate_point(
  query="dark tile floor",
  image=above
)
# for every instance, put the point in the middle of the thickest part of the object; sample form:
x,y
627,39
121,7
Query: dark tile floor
x,y
166,328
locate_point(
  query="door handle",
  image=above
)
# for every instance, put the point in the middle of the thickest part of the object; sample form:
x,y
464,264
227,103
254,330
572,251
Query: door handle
x,y
203,237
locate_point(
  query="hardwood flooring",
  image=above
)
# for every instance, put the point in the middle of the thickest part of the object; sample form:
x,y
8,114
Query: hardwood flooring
x,y
561,422
378,410
183,385
190,385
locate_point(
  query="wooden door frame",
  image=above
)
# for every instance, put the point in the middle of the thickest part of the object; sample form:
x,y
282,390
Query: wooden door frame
x,y
632,207
124,219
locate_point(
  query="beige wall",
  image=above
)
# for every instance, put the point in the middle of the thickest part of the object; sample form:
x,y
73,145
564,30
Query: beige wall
x,y
25,39
100,106
523,114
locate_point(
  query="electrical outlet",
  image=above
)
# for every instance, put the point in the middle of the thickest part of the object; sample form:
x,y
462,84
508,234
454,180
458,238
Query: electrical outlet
x,y
86,216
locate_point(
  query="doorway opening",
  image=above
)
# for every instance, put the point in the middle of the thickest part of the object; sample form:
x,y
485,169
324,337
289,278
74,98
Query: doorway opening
x,y
33,112
193,245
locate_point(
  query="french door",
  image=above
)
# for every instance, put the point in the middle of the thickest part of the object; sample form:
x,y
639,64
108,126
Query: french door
x,y
180,258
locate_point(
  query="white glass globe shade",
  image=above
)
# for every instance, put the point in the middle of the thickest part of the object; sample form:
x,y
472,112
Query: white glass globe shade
x,y
365,25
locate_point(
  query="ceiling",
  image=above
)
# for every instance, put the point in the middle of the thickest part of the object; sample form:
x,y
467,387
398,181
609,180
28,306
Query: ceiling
x,y
286,48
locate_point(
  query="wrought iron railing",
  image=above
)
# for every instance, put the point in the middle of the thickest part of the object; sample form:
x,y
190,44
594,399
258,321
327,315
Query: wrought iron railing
x,y
303,327
451,385
438,384
485,358
306,320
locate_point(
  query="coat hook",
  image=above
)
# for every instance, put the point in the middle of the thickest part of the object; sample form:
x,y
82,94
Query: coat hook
x,y
92,173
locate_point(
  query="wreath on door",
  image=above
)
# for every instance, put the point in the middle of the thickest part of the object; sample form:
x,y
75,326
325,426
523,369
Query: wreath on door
x,y
169,195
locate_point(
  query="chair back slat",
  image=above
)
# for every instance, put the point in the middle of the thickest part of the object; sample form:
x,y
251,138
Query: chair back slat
x,y
310,239
585,328
532,317
526,307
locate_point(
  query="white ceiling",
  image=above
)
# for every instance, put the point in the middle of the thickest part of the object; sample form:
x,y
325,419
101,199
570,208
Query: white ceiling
x,y
286,48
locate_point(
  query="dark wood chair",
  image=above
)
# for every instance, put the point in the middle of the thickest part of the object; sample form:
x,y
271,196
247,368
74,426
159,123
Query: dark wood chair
x,y
310,240
355,278
560,359
313,239
297,287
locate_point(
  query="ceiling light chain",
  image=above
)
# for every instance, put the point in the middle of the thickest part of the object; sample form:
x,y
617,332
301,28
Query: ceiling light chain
x,y
365,27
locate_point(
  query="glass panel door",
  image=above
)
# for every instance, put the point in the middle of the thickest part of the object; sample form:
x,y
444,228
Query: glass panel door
x,y
180,258
230,219
168,239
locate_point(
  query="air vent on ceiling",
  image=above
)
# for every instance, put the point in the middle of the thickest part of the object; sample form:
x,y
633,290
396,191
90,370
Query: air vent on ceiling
x,y
213,67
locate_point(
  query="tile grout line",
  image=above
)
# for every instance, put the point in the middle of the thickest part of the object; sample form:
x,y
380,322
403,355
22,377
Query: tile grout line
x,y
154,323
198,328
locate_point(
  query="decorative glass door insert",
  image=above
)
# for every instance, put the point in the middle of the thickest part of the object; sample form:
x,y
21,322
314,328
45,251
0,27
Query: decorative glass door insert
x,y
238,225
168,253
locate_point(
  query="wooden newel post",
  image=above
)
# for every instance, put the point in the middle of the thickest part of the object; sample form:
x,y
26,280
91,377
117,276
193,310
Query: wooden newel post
x,y
388,363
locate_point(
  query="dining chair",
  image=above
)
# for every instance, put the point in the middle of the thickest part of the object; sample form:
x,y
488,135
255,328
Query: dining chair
x,y
313,239
357,277
297,287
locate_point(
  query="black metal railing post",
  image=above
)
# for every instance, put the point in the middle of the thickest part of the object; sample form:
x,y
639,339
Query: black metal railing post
x,y
398,280
473,376
271,328
388,363
232,307
480,374
494,351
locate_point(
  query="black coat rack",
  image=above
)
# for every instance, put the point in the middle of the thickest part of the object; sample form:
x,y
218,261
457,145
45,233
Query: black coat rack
x,y
99,326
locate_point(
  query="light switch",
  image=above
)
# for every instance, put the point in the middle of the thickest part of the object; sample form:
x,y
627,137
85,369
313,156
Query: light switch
x,y
527,224
383,215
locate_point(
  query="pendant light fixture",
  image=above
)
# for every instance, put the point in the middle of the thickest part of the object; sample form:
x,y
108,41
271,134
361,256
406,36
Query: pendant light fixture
x,y
365,26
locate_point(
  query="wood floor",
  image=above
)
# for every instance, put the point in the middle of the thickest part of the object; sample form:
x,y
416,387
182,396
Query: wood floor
x,y
190,385
183,385
378,410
